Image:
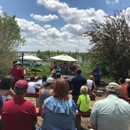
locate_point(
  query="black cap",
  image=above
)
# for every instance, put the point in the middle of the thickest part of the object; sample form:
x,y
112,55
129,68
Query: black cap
x,y
16,62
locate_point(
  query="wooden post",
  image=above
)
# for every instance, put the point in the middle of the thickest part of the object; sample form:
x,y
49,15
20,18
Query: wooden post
x,y
37,102
78,122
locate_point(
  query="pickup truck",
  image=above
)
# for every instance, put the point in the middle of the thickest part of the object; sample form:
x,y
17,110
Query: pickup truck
x,y
35,63
29,63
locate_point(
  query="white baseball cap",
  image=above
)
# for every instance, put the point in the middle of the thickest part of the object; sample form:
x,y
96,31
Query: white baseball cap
x,y
50,80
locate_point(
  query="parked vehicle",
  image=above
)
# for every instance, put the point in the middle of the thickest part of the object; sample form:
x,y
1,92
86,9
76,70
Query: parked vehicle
x,y
29,63
25,62
35,63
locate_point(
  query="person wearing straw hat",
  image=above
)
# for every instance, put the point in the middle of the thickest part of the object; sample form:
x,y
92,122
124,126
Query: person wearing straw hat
x,y
111,113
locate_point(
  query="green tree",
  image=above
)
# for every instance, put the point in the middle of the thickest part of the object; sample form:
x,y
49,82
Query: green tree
x,y
10,40
111,43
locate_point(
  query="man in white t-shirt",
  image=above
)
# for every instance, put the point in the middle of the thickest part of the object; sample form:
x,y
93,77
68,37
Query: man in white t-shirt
x,y
32,86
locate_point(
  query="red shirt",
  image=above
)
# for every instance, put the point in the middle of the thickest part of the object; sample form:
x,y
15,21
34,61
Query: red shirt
x,y
16,73
123,91
51,68
18,114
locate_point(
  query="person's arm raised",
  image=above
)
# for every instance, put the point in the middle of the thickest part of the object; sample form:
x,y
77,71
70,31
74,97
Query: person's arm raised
x,y
24,70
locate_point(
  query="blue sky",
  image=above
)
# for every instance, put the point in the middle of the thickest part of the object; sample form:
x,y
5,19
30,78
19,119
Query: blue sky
x,y
56,24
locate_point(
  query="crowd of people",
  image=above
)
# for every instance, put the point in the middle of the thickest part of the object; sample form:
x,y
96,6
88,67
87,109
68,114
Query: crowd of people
x,y
60,99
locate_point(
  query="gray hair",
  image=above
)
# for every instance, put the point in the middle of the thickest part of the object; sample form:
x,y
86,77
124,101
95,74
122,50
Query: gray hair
x,y
113,88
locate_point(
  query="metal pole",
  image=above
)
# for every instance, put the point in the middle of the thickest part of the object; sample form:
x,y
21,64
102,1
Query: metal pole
x,y
22,57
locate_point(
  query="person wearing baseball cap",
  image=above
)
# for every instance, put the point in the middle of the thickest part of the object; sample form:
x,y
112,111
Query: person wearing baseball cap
x,y
78,71
111,113
21,85
18,113
16,72
47,91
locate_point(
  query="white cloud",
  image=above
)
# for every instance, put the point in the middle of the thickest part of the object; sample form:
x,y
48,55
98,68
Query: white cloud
x,y
67,37
29,27
123,4
46,26
53,32
117,1
53,5
1,10
73,28
37,38
47,37
112,2
44,18
73,16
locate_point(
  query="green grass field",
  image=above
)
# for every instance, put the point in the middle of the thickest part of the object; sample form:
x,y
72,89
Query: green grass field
x,y
47,65
45,69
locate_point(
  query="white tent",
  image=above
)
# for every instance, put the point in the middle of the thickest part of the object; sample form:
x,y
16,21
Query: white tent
x,y
31,57
63,57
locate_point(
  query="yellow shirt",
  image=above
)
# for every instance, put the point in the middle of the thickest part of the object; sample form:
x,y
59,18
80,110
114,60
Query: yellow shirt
x,y
84,102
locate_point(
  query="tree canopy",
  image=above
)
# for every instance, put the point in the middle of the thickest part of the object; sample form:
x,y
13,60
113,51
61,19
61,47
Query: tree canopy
x,y
111,43
10,40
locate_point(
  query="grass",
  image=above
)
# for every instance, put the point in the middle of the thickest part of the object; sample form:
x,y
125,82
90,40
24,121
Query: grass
x,y
47,65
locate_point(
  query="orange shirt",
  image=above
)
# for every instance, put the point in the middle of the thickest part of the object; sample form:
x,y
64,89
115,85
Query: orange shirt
x,y
123,90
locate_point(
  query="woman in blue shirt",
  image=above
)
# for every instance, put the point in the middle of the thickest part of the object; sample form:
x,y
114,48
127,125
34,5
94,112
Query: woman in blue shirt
x,y
59,111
